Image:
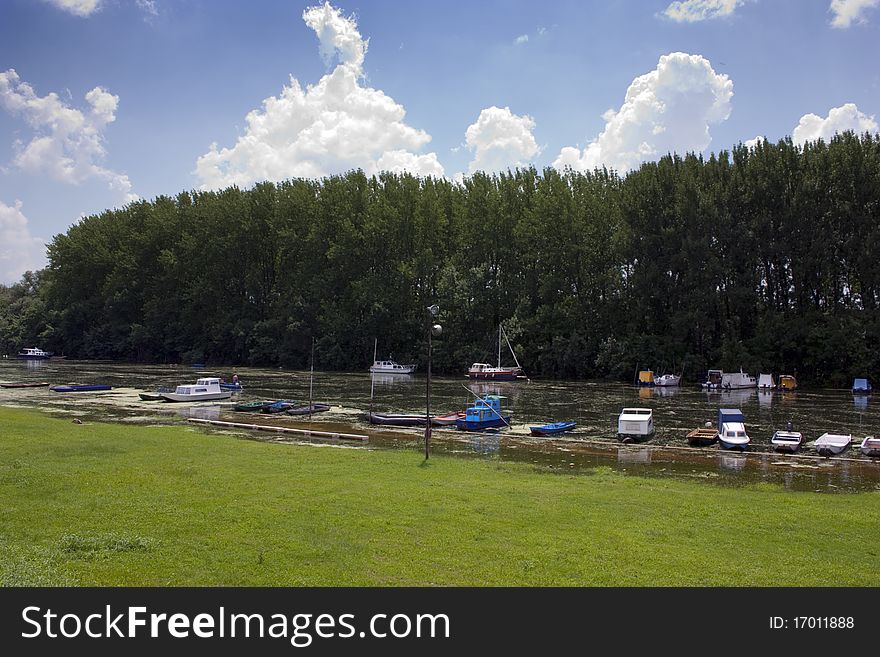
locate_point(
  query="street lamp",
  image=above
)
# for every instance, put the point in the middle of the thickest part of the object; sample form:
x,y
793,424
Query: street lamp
x,y
433,329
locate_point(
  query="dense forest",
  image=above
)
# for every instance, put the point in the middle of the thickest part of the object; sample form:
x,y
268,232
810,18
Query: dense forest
x,y
764,258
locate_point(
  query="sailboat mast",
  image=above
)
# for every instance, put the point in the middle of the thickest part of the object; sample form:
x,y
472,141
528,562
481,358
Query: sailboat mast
x,y
499,346
375,344
311,377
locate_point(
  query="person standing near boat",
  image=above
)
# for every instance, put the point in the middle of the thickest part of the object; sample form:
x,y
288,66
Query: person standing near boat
x,y
234,377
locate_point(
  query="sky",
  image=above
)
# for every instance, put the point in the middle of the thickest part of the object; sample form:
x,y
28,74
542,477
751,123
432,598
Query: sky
x,y
104,102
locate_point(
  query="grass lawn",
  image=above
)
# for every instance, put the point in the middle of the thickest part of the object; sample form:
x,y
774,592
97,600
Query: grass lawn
x,y
110,504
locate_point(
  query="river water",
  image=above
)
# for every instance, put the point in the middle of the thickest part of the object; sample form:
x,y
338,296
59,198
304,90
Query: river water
x,y
594,405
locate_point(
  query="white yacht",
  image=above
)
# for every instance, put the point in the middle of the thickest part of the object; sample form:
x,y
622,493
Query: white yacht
x,y
734,380
390,367
206,389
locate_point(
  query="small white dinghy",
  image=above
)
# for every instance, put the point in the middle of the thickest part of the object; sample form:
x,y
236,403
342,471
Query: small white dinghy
x,y
787,441
871,446
831,444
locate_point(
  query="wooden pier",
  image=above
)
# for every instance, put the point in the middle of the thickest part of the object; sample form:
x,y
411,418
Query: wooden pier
x,y
268,427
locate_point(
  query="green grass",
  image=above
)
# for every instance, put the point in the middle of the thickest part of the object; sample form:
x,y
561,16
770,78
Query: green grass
x,y
106,504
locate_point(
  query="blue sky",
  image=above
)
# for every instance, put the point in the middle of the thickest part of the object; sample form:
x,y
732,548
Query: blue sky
x,y
143,88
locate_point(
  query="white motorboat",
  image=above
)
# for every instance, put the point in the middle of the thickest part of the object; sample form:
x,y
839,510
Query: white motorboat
x,y
667,380
787,441
871,446
737,380
34,353
206,389
635,424
732,429
766,382
390,367
831,444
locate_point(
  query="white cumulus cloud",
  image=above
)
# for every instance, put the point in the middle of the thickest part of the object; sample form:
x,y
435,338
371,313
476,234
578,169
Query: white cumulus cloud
x,y
754,141
839,119
19,251
335,125
78,7
521,39
67,143
692,11
847,12
500,139
668,109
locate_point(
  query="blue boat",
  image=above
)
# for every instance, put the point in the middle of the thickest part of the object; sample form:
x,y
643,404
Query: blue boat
x,y
552,429
861,387
231,386
278,407
80,388
485,414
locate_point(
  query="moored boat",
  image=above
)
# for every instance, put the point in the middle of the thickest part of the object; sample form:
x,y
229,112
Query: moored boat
x,y
233,387
831,444
24,384
487,372
732,430
871,446
252,406
646,378
83,387
206,389
702,437
391,367
308,409
279,406
713,380
34,353
737,380
552,429
766,382
635,424
787,441
448,419
667,380
485,414
155,396
861,387
787,383
397,419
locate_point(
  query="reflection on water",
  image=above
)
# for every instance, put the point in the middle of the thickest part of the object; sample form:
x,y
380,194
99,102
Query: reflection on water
x,y
35,365
765,397
860,402
390,379
594,405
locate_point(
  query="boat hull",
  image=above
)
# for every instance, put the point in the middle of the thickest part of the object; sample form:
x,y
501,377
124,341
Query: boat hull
x,y
786,442
446,420
31,357
396,419
24,385
871,447
308,410
507,375
235,387
482,425
733,445
252,407
211,396
552,429
80,388
831,450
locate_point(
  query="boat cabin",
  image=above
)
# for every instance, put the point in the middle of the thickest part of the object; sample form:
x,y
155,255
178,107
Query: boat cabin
x,y
484,409
739,379
727,415
202,386
635,422
765,381
646,378
713,378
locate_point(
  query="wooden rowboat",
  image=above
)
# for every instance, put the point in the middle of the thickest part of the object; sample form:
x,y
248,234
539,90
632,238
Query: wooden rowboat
x,y
702,437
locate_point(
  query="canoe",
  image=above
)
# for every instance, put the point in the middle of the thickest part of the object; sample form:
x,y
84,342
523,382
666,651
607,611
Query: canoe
x,y
308,410
787,441
702,437
86,387
446,420
830,444
397,419
278,407
871,446
24,385
252,407
552,429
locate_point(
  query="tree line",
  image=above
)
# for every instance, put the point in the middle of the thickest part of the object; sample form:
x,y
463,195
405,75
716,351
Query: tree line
x,y
763,258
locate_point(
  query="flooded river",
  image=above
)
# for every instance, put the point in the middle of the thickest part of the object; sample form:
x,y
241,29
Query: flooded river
x,y
593,405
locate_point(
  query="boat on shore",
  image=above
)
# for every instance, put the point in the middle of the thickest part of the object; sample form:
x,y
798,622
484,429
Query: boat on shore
x,y
155,396
485,414
832,444
252,406
552,429
732,429
397,419
34,353
24,384
280,406
787,442
308,409
702,437
82,387
870,446
448,419
635,424
206,389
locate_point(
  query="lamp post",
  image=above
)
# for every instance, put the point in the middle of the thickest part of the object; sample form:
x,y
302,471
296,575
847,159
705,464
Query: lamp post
x,y
433,329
